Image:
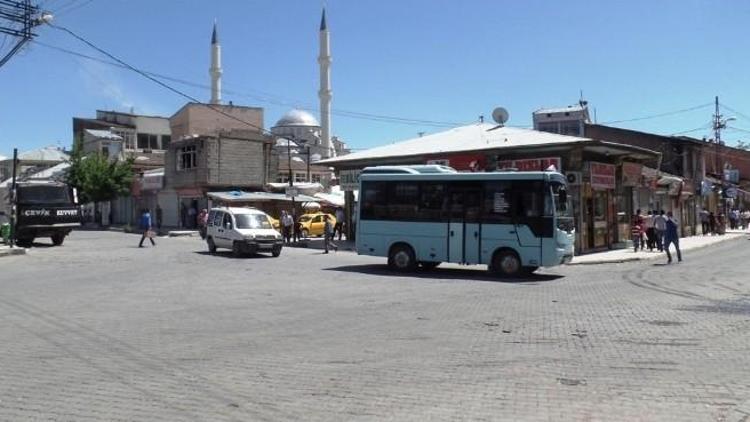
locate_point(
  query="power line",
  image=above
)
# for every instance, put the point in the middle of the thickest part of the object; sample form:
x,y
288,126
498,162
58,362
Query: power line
x,y
738,129
654,116
704,127
264,97
153,79
735,111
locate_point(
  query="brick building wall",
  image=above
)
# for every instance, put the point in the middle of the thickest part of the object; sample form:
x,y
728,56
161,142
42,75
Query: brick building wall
x,y
200,119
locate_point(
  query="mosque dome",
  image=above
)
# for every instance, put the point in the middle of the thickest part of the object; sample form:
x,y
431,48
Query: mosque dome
x,y
297,117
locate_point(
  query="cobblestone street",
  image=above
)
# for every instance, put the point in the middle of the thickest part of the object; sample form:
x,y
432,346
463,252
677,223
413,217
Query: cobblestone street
x,y
99,329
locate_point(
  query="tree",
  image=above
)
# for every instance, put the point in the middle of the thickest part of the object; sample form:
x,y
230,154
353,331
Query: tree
x,y
98,178
743,145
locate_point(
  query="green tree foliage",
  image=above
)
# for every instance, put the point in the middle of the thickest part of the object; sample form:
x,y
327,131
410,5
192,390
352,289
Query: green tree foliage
x,y
97,178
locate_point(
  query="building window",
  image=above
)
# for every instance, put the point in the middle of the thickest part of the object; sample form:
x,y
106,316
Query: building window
x,y
105,151
148,141
165,140
186,158
283,178
547,127
316,178
127,138
570,128
300,177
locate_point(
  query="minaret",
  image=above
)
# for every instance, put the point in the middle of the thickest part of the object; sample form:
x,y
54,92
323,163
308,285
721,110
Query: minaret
x,y
324,59
215,69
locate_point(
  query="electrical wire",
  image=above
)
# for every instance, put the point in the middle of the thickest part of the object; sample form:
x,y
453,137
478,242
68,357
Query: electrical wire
x,y
704,127
735,111
157,81
267,97
654,116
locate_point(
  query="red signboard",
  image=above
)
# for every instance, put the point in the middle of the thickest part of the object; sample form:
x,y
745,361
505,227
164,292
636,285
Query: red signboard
x,y
531,164
602,176
631,174
463,163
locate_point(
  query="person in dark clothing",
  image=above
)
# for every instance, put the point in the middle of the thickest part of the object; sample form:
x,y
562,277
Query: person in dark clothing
x,y
145,226
672,237
159,215
712,222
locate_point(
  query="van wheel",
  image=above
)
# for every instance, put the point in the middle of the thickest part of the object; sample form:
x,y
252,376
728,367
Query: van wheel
x,y
236,250
57,239
428,265
506,263
211,245
402,259
276,252
305,233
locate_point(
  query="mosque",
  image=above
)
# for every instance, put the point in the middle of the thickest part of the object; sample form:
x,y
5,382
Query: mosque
x,y
303,138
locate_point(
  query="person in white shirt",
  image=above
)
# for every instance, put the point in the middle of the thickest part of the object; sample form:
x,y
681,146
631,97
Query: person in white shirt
x,y
648,222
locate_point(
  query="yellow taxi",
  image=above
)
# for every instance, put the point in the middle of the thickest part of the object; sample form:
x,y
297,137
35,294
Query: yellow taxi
x,y
313,224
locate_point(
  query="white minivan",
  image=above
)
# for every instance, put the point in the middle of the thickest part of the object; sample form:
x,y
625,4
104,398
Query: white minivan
x,y
243,231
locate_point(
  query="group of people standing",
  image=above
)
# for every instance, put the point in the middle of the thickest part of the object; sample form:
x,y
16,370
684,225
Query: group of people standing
x,y
656,230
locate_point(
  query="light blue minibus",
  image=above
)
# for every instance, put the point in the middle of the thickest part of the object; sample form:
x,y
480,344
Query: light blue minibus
x,y
420,216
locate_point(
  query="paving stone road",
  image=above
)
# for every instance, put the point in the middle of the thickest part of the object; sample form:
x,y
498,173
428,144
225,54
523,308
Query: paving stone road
x,y
100,330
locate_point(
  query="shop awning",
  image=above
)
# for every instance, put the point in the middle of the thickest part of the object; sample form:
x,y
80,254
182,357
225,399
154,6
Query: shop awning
x,y
242,197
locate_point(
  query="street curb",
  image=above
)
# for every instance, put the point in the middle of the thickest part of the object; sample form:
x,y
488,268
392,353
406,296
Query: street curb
x,y
13,251
657,255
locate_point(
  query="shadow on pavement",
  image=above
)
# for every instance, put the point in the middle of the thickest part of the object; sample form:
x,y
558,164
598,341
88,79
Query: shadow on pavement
x,y
445,274
229,255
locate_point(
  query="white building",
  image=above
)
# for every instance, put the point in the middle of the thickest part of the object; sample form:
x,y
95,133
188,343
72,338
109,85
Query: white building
x,y
568,120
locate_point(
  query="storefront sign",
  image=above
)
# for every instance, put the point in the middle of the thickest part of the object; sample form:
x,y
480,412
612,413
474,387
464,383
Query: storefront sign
x,y
349,180
462,163
631,174
602,175
732,175
531,164
152,181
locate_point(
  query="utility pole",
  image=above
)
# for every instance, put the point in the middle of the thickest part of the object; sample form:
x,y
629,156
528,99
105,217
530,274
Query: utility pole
x,y
717,122
13,200
17,19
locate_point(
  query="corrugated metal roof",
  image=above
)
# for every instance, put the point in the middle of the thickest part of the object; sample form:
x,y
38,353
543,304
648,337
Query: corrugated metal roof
x,y
479,136
44,154
103,134
239,197
559,109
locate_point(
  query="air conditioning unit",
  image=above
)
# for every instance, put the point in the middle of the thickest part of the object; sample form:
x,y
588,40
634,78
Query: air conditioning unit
x,y
573,177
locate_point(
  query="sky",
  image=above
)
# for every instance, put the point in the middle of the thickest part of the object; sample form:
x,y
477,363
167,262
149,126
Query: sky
x,y
428,60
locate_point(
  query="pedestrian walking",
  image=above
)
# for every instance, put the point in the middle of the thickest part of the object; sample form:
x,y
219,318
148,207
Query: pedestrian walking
x,y
745,216
671,237
296,227
721,223
734,218
328,235
648,222
636,229
145,226
660,227
286,223
339,222
203,223
712,224
705,226
159,216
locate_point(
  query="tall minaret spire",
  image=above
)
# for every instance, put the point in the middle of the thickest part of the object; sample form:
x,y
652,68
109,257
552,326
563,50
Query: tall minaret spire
x,y
324,59
215,69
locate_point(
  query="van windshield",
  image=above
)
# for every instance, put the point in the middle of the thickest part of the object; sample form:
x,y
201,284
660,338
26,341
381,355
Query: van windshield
x,y
252,221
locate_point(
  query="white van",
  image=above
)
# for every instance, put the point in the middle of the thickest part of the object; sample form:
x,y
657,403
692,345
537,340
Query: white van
x,y
243,230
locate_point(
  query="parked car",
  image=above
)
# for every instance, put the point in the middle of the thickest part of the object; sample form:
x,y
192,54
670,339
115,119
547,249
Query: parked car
x,y
275,223
313,224
243,231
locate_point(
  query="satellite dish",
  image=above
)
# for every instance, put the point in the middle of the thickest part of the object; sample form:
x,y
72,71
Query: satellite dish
x,y
500,115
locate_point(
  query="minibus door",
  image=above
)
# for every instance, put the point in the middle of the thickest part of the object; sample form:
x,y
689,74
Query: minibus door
x,y
464,230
